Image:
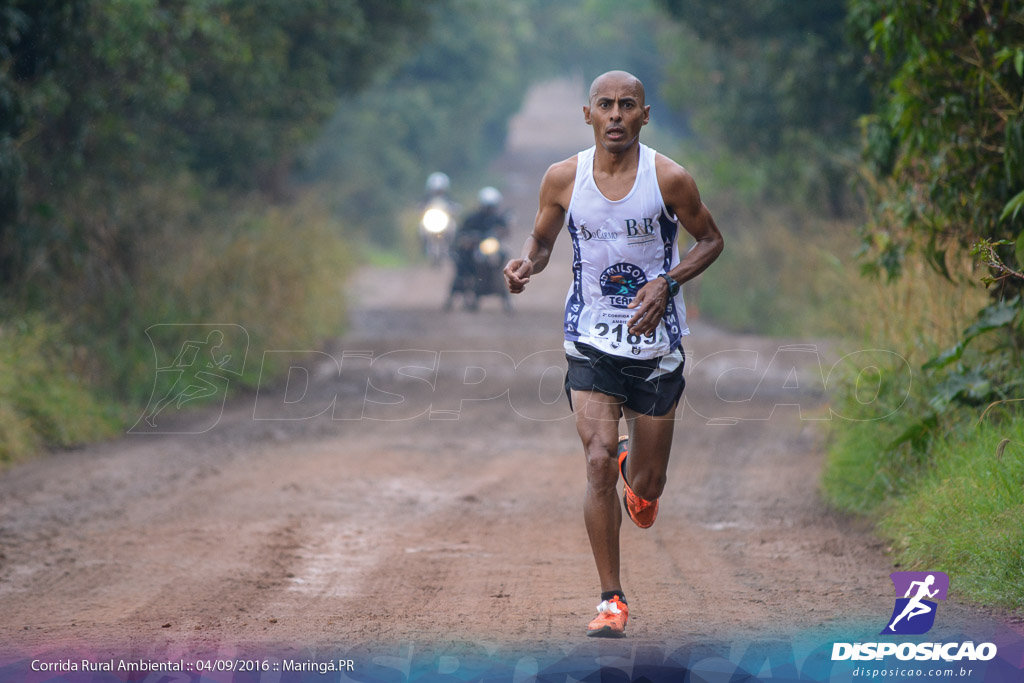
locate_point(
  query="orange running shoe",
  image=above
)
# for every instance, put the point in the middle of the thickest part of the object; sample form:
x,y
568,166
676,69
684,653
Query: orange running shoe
x,y
611,619
642,512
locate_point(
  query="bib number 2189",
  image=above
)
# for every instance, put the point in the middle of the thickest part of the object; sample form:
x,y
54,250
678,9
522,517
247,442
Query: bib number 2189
x,y
619,331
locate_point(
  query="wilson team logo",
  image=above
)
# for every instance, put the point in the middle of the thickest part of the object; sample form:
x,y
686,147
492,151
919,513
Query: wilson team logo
x,y
621,282
914,612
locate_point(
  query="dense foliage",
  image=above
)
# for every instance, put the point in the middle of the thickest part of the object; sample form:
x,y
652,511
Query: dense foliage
x,y
777,84
101,96
145,148
945,155
949,131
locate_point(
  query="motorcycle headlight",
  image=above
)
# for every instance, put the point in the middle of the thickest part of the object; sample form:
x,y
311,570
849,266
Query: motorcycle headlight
x,y
435,221
490,246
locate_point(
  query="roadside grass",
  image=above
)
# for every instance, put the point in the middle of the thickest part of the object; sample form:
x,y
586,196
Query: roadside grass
x,y
965,514
43,401
910,321
933,483
863,470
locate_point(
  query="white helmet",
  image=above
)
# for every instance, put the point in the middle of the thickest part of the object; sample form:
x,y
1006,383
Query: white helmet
x,y
489,196
438,182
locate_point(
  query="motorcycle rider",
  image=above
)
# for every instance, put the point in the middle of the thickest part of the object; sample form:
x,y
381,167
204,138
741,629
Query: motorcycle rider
x,y
437,188
487,220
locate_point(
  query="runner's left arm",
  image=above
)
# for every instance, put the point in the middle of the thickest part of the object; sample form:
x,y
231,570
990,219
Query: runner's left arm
x,y
683,199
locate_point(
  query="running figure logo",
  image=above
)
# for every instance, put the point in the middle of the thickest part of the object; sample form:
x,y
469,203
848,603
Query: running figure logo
x,y
201,369
914,613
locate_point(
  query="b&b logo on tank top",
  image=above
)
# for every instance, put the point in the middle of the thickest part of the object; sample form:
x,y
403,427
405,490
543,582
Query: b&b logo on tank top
x,y
621,282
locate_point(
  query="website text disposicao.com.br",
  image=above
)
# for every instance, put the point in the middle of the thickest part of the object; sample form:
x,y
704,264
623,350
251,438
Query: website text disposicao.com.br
x,y
901,673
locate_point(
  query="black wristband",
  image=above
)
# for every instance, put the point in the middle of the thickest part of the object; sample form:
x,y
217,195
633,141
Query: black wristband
x,y
673,286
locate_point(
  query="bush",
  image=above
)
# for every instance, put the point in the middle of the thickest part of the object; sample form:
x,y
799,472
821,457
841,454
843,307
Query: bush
x,y
279,274
43,400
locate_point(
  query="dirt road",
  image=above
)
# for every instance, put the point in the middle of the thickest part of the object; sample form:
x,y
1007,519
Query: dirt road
x,y
453,516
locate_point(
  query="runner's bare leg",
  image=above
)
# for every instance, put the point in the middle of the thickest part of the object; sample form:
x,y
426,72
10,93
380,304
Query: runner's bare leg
x,y
650,441
597,421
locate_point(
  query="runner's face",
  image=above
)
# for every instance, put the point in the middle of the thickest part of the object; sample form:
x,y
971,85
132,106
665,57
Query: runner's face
x,y
617,113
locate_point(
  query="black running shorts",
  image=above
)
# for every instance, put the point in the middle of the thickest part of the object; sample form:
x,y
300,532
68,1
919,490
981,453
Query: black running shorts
x,y
648,386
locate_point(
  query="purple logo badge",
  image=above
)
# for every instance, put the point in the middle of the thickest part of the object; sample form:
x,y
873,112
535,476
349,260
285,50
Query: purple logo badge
x,y
916,593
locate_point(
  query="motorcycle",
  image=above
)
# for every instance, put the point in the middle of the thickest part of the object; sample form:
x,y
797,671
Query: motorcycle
x,y
436,228
479,260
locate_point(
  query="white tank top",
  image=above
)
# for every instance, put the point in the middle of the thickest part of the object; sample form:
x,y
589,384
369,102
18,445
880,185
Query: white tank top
x,y
618,247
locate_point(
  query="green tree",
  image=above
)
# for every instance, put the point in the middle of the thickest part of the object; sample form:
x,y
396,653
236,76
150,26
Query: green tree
x,y
102,96
945,168
34,38
777,84
948,129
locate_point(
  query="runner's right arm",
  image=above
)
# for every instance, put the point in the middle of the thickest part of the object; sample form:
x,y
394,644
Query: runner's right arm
x,y
555,193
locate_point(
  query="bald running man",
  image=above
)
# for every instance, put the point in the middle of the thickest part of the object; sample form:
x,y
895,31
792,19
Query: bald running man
x,y
623,204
